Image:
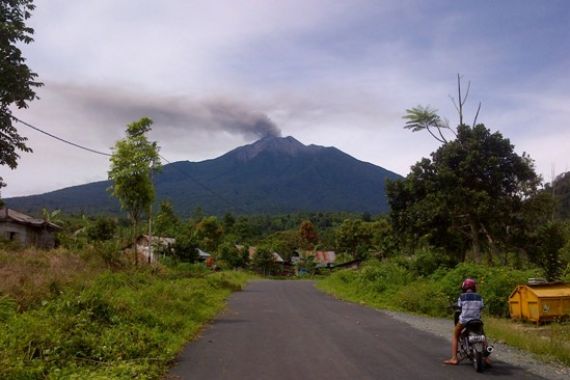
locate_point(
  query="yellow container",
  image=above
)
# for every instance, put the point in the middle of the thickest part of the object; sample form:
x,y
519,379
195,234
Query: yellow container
x,y
540,303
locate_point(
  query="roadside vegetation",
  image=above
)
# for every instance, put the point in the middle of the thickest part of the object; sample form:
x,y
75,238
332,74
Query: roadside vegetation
x,y
67,315
403,285
475,209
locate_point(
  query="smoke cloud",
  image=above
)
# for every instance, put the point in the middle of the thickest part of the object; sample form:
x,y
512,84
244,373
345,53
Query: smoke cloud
x,y
180,113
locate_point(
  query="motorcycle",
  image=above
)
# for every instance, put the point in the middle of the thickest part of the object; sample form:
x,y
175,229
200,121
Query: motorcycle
x,y
473,345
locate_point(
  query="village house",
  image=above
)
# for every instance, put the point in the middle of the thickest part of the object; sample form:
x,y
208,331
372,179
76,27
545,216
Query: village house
x,y
159,244
27,230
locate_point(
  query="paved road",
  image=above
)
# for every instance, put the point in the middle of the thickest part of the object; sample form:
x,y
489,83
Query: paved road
x,y
289,330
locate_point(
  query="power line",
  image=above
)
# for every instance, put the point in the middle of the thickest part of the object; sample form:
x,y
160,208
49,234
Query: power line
x,y
59,138
205,187
208,189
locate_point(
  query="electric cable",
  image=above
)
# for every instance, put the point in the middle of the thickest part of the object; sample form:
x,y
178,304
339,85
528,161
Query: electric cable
x,y
59,138
208,189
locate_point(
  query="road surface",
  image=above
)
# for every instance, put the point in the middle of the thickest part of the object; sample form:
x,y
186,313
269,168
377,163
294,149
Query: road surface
x,y
289,330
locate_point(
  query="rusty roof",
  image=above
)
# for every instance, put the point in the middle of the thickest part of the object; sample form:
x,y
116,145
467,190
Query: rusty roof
x,y
7,214
325,257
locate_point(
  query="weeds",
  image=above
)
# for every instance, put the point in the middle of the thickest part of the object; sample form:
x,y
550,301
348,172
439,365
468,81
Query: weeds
x,y
98,323
396,286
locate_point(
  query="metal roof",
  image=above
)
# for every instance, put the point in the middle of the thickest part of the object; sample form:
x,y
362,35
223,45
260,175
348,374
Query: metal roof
x,y
7,214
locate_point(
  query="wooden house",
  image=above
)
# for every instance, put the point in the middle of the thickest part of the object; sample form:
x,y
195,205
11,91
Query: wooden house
x,y
27,230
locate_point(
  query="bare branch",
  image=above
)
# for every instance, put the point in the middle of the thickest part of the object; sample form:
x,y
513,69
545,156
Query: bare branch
x,y
453,101
466,93
477,114
435,137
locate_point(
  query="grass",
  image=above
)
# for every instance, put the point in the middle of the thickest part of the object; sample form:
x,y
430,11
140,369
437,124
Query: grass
x,y
387,286
101,324
550,342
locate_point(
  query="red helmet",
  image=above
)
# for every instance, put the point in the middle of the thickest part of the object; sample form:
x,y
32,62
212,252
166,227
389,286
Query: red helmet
x,y
469,284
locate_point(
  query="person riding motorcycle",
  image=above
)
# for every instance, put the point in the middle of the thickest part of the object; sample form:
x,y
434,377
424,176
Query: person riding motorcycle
x,y
470,304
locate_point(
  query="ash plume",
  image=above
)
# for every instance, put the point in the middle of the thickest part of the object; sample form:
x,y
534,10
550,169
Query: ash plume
x,y
179,114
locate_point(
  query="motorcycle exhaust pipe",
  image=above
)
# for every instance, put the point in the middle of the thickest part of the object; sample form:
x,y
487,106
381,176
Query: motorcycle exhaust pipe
x,y
490,349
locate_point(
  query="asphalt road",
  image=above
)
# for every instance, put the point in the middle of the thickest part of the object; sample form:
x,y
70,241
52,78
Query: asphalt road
x,y
289,330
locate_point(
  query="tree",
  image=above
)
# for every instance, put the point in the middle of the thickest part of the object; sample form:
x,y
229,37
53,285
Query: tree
x,y
263,259
354,237
104,228
545,248
17,81
560,188
132,162
421,118
208,233
166,222
472,190
308,235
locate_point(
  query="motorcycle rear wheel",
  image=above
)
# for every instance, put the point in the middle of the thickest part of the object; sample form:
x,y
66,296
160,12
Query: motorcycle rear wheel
x,y
478,361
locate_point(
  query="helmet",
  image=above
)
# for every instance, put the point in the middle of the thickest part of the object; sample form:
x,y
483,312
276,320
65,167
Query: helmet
x,y
469,284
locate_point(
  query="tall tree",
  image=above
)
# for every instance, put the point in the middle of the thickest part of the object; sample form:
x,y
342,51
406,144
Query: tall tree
x,y
308,235
17,81
166,222
473,189
132,162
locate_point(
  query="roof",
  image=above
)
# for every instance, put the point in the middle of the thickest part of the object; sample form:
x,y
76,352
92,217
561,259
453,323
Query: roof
x,y
549,290
276,257
325,257
202,254
7,214
157,240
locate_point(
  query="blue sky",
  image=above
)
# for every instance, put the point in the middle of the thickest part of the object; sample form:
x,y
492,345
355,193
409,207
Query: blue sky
x,y
334,73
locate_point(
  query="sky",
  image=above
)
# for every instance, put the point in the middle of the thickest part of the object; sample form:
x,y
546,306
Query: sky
x,y
215,75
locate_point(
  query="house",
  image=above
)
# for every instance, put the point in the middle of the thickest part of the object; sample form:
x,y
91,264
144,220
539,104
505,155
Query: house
x,y
202,256
276,257
159,244
27,230
325,259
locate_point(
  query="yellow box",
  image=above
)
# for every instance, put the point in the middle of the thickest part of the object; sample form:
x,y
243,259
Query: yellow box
x,y
540,303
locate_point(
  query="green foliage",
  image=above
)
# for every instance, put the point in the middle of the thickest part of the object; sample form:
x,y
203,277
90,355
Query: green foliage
x,y
17,81
263,260
421,118
355,237
104,228
561,189
166,222
185,247
8,308
546,248
125,325
132,162
208,233
396,284
232,257
472,191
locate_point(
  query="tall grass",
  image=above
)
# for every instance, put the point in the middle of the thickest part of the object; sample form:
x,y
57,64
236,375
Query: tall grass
x,y
101,324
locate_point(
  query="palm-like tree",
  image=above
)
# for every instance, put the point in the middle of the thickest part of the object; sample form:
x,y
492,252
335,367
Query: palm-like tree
x,y
421,118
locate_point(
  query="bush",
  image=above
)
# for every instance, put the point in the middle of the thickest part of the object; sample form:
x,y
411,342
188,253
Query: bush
x,y
423,297
102,229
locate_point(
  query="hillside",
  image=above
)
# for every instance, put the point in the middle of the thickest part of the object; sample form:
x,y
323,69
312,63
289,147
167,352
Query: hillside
x,y
272,175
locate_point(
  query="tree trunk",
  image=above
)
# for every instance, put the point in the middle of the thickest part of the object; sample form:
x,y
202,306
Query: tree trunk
x,y
476,244
135,242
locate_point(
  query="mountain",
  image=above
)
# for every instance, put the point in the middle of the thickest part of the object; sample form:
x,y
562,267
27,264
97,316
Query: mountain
x,y
272,175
